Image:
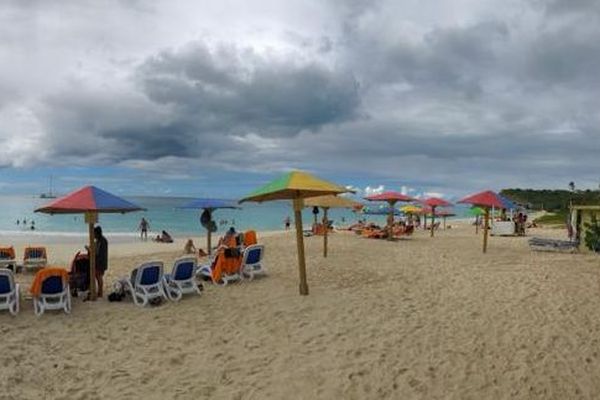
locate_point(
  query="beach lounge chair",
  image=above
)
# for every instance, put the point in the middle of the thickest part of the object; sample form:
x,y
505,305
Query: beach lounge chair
x,y
146,283
50,291
542,244
9,292
35,257
250,238
222,270
252,264
182,279
8,258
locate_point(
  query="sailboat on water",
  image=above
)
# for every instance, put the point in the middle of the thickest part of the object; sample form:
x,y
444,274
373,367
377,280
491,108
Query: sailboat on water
x,y
49,194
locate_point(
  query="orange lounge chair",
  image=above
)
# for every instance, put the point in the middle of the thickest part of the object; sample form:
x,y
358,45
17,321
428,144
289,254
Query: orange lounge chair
x,y
8,258
250,238
50,290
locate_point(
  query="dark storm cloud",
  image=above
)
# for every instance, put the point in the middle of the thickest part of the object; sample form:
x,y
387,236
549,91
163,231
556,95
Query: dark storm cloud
x,y
239,90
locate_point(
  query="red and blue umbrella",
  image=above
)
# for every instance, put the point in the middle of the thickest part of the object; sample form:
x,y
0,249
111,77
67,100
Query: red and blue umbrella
x,y
90,201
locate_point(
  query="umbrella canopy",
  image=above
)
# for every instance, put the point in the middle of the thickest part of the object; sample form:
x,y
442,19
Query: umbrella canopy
x,y
327,202
296,186
392,198
508,203
486,199
475,211
210,205
410,209
434,202
389,197
331,201
90,201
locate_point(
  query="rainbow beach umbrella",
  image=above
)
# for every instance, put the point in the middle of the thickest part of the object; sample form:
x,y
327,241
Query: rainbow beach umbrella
x,y
296,186
90,201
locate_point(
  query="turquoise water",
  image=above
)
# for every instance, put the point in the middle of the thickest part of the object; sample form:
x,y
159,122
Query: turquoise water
x,y
162,213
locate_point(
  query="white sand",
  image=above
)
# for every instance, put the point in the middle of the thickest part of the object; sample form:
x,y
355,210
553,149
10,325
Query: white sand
x,y
420,318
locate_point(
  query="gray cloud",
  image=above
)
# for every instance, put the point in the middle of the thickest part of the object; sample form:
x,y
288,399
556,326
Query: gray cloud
x,y
233,86
495,94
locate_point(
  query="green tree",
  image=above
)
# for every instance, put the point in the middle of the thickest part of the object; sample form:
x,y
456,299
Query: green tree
x,y
592,235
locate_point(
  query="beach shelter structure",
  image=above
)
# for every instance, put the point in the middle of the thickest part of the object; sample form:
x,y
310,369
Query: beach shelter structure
x,y
485,200
296,186
434,202
445,214
90,201
209,206
327,202
391,198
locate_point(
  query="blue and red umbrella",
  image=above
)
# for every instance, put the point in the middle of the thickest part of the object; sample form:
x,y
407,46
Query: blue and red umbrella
x,y
91,201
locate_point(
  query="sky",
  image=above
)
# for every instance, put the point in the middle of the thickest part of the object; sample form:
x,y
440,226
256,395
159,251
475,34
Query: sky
x,y
204,98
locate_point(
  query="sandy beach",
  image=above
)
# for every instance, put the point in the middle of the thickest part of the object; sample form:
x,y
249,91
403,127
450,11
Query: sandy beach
x,y
420,318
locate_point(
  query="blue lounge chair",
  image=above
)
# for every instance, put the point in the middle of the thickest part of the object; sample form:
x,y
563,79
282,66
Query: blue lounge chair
x,y
182,279
54,294
9,292
252,264
146,283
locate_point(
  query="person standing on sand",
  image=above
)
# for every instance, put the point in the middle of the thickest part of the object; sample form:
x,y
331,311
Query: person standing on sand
x,y
287,223
144,228
101,258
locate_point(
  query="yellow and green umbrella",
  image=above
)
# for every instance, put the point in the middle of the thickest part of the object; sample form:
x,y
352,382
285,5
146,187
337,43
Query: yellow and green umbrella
x,y
327,202
296,186
410,209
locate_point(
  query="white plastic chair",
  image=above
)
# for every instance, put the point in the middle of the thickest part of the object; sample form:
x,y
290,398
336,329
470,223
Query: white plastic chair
x,y
252,264
182,279
34,258
9,292
147,284
55,295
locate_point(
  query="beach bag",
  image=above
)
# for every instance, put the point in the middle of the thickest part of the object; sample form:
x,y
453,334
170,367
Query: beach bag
x,y
232,252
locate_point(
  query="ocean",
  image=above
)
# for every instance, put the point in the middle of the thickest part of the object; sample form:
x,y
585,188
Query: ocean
x,y
162,213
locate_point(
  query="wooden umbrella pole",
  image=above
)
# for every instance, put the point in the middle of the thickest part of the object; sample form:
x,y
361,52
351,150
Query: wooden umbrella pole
x,y
300,243
432,220
208,240
208,235
444,219
91,218
485,229
326,227
390,220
